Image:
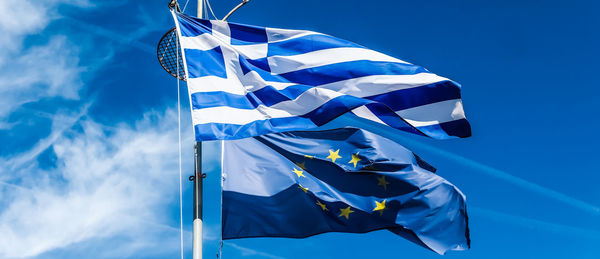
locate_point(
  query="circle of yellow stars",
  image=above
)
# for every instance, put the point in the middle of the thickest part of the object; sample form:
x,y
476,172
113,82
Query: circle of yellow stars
x,y
380,206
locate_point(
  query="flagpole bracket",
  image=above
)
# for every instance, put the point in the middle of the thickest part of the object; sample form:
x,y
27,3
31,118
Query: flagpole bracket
x,y
193,177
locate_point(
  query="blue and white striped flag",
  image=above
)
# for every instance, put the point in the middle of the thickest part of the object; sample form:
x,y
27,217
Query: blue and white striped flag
x,y
247,81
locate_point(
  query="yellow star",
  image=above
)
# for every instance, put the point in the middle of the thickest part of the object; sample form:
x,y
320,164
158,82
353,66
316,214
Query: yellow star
x,y
302,165
382,182
307,156
345,212
323,207
300,173
334,155
354,160
304,189
379,206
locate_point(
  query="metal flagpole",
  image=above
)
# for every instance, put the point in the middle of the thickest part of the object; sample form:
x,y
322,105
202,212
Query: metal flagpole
x,y
198,178
200,6
198,174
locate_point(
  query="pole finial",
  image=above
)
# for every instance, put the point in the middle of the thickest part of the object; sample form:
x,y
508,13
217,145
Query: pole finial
x,y
235,9
174,5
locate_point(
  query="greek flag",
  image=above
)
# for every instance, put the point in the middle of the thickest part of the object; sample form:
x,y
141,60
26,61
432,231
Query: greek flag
x,y
246,81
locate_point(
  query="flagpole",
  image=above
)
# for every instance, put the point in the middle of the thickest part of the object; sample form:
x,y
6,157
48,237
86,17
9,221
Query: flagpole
x,y
200,6
198,178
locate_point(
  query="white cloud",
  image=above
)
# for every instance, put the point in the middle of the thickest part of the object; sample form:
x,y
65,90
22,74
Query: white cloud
x,y
108,182
42,71
35,72
17,20
252,252
60,123
20,18
52,68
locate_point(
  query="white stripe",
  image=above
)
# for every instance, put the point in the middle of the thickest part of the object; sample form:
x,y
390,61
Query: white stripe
x,y
284,64
434,113
248,83
379,84
203,41
215,84
365,113
253,82
314,97
305,103
254,51
220,30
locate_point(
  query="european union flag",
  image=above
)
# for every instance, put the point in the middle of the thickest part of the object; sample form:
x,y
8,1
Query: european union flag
x,y
299,184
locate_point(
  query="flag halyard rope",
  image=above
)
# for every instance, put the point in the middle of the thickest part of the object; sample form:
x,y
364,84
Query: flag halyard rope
x,y
179,153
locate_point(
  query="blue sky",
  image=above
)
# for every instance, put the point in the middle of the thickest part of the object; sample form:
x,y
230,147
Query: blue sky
x,y
88,126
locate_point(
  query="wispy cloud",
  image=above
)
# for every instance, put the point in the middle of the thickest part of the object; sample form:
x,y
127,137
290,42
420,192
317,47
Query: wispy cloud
x,y
107,187
252,252
48,70
534,223
60,123
477,166
29,73
148,23
49,66
103,182
528,185
20,18
128,40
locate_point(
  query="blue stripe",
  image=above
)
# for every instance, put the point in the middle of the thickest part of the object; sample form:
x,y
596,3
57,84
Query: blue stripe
x,y
191,27
316,76
246,66
224,131
267,96
270,96
389,117
334,108
205,63
262,64
448,130
417,96
247,34
261,67
306,44
216,99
